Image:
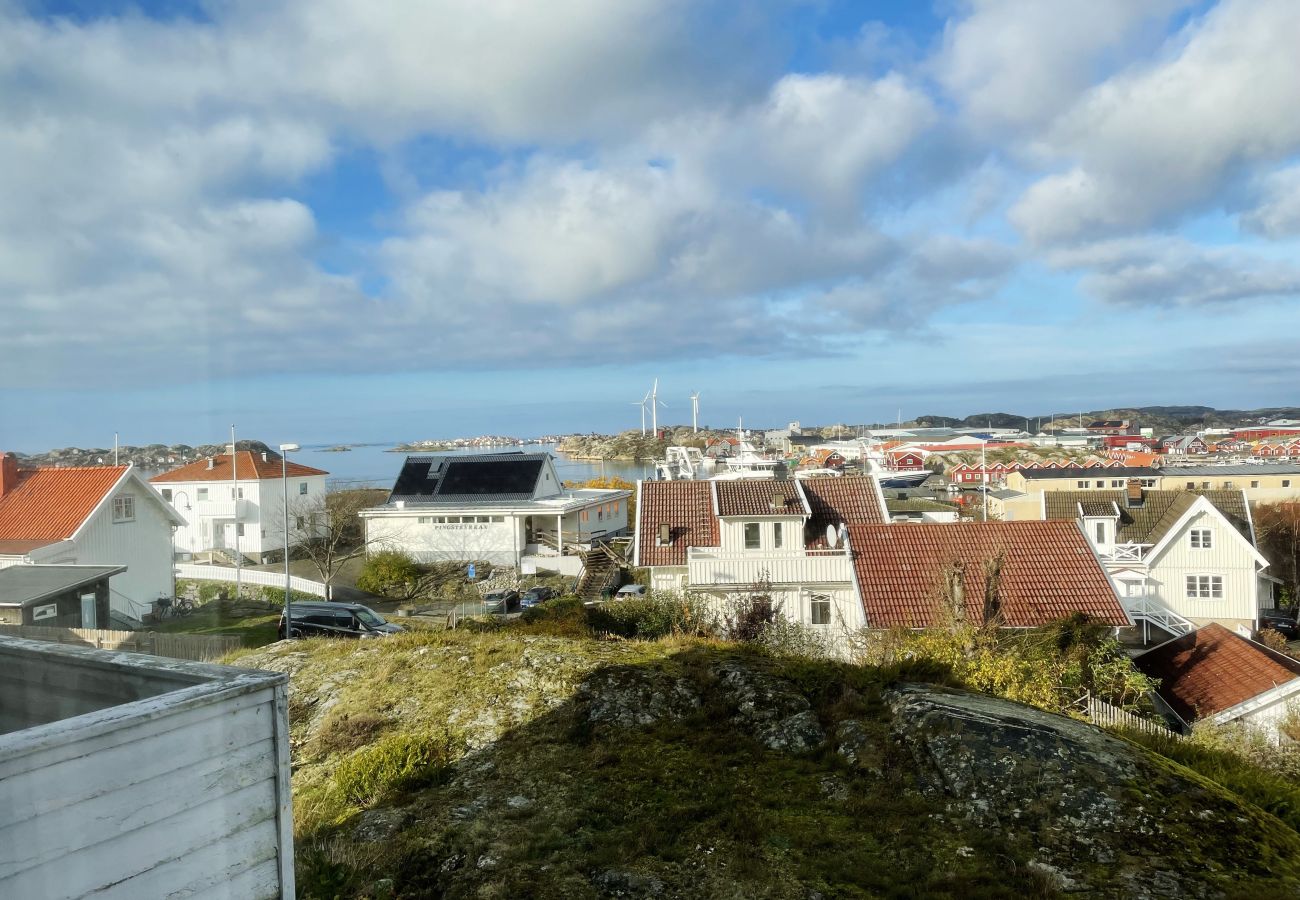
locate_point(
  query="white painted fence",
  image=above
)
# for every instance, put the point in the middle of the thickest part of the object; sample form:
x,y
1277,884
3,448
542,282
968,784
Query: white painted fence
x,y
249,576
1108,716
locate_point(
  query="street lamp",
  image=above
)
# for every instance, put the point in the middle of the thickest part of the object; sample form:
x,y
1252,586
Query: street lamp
x,y
285,449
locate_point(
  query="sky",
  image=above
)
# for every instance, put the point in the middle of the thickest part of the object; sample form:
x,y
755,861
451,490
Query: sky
x,y
339,220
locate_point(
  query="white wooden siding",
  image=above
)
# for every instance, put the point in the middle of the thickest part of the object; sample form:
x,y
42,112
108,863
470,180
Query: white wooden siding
x,y
1229,557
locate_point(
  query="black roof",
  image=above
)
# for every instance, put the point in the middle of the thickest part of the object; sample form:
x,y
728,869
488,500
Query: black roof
x,y
25,585
1094,472
487,476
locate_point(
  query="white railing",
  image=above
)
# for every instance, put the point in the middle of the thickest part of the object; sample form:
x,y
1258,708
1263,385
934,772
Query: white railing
x,y
219,509
249,576
706,567
1107,716
1127,553
1146,607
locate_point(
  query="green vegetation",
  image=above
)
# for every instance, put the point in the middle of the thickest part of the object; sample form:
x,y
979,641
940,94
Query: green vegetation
x,y
253,618
530,758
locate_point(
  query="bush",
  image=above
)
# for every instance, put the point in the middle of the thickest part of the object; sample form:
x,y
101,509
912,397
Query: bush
x,y
652,617
785,638
397,762
389,573
750,614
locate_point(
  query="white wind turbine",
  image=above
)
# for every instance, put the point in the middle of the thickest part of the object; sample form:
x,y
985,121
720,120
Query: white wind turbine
x,y
642,403
655,403
695,412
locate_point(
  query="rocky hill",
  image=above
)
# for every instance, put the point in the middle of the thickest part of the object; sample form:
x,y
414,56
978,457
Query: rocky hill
x,y
508,764
151,457
1164,419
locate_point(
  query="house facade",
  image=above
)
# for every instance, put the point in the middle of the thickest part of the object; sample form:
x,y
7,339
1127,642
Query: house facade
x,y
237,505
509,509
1271,483
1180,559
90,516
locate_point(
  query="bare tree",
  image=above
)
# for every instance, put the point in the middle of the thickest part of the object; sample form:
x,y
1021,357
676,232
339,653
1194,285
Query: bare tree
x,y
331,531
1277,531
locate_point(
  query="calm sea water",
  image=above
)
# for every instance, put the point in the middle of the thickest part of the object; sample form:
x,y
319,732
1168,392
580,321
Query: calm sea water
x,y
374,466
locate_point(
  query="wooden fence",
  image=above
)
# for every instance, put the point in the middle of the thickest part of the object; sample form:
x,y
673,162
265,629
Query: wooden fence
x,y
198,647
1108,716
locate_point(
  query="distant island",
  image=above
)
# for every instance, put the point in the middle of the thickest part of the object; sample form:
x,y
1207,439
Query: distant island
x,y
341,448
151,457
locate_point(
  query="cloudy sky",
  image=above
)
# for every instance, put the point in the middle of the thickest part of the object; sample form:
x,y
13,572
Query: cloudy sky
x,y
341,219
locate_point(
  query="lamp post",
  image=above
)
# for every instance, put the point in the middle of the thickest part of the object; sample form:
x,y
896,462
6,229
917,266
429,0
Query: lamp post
x,y
285,449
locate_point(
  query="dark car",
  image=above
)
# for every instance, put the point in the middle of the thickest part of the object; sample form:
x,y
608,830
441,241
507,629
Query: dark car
x,y
1283,623
501,602
536,595
347,620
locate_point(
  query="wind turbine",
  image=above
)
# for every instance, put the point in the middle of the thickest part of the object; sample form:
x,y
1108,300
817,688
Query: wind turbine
x,y
655,403
695,412
641,403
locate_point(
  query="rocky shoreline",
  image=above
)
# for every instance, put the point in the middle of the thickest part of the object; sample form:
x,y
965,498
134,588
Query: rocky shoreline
x,y
153,457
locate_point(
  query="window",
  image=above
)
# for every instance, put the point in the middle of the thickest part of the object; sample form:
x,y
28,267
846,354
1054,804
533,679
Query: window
x,y
1254,484
1286,482
124,509
1205,485
1101,532
482,518
1101,484
202,493
1116,483
167,494
302,489
419,520
1202,538
1191,485
751,536
498,519
1081,484
819,609
1205,587
1148,482
1227,484
600,514
239,529
776,535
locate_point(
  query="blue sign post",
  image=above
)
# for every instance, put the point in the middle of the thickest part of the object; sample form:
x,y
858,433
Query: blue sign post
x,y
469,572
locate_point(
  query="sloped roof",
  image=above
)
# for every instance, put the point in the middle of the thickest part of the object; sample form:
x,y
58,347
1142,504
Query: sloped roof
x,y
852,500
686,507
1048,572
753,497
249,466
1073,471
1211,669
49,503
479,477
24,585
1093,508
1159,513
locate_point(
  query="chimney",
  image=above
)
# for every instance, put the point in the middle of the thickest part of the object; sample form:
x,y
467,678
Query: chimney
x,y
263,456
1133,496
212,463
8,473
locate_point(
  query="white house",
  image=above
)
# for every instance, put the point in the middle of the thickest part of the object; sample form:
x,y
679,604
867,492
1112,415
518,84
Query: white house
x,y
723,537
509,509
1180,559
1215,675
241,510
90,516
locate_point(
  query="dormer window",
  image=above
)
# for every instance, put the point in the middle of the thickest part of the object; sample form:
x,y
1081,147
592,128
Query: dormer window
x,y
1100,531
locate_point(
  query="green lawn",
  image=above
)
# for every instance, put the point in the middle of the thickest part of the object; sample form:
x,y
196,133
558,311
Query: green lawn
x,y
254,622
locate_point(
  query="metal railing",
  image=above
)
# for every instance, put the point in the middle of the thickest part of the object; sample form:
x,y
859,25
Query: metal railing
x,y
1145,607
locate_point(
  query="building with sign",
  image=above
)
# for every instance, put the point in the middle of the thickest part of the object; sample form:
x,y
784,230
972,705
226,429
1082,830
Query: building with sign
x,y
509,509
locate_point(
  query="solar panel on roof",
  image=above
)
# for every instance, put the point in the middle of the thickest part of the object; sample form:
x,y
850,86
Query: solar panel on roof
x,y
500,476
414,480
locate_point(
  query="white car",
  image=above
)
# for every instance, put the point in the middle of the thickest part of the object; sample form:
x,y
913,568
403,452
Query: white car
x,y
629,591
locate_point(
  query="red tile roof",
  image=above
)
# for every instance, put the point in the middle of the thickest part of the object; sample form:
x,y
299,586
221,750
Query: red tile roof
x,y
753,497
687,508
1211,669
49,503
852,500
1049,572
250,467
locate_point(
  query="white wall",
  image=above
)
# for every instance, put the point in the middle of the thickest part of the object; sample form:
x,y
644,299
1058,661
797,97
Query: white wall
x,y
496,541
1229,557
260,510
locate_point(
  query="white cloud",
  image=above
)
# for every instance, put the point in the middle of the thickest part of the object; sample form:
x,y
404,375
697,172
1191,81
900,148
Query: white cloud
x,y
1278,213
1149,145
1175,272
1017,64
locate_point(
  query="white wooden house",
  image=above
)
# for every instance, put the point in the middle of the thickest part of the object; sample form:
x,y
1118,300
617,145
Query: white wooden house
x,y
90,516
1179,558
241,511
509,509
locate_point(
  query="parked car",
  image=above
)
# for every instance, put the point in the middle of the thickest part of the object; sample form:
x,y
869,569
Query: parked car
x,y
1284,624
630,591
501,602
346,620
536,595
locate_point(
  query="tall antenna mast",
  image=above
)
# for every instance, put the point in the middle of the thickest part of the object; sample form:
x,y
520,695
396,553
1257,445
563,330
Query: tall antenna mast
x,y
234,497
114,448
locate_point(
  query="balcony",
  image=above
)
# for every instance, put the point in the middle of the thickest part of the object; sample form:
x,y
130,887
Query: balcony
x,y
233,510
708,567
1126,553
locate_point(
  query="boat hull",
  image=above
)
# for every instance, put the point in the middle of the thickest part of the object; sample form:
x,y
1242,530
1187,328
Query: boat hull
x,y
903,479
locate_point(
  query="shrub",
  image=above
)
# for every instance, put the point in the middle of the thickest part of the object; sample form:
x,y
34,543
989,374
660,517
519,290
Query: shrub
x,y
345,732
389,573
783,637
394,763
652,617
750,613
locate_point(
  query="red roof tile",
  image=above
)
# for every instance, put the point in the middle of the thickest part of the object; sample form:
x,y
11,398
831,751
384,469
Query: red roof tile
x,y
753,497
250,465
852,500
50,503
686,507
1049,572
1211,669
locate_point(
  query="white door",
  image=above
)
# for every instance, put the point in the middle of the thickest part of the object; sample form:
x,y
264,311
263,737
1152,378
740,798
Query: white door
x,y
89,617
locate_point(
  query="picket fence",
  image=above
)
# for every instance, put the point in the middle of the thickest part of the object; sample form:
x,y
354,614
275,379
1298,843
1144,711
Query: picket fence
x,y
1107,716
196,647
249,576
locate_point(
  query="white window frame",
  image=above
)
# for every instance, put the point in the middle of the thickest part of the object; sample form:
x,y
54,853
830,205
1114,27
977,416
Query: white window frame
x,y
756,529
1100,532
302,489
1201,538
824,603
1206,588
124,508
201,494
778,538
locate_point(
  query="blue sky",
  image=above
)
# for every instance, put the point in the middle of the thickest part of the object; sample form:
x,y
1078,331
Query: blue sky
x,y
335,220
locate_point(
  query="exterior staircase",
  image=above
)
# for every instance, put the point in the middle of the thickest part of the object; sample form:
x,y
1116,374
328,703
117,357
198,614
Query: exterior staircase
x,y
226,556
1147,609
601,566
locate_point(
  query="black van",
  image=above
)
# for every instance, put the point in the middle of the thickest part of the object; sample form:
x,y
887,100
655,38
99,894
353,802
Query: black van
x,y
347,620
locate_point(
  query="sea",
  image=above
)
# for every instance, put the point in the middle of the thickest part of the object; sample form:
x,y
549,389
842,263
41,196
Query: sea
x,y
376,465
